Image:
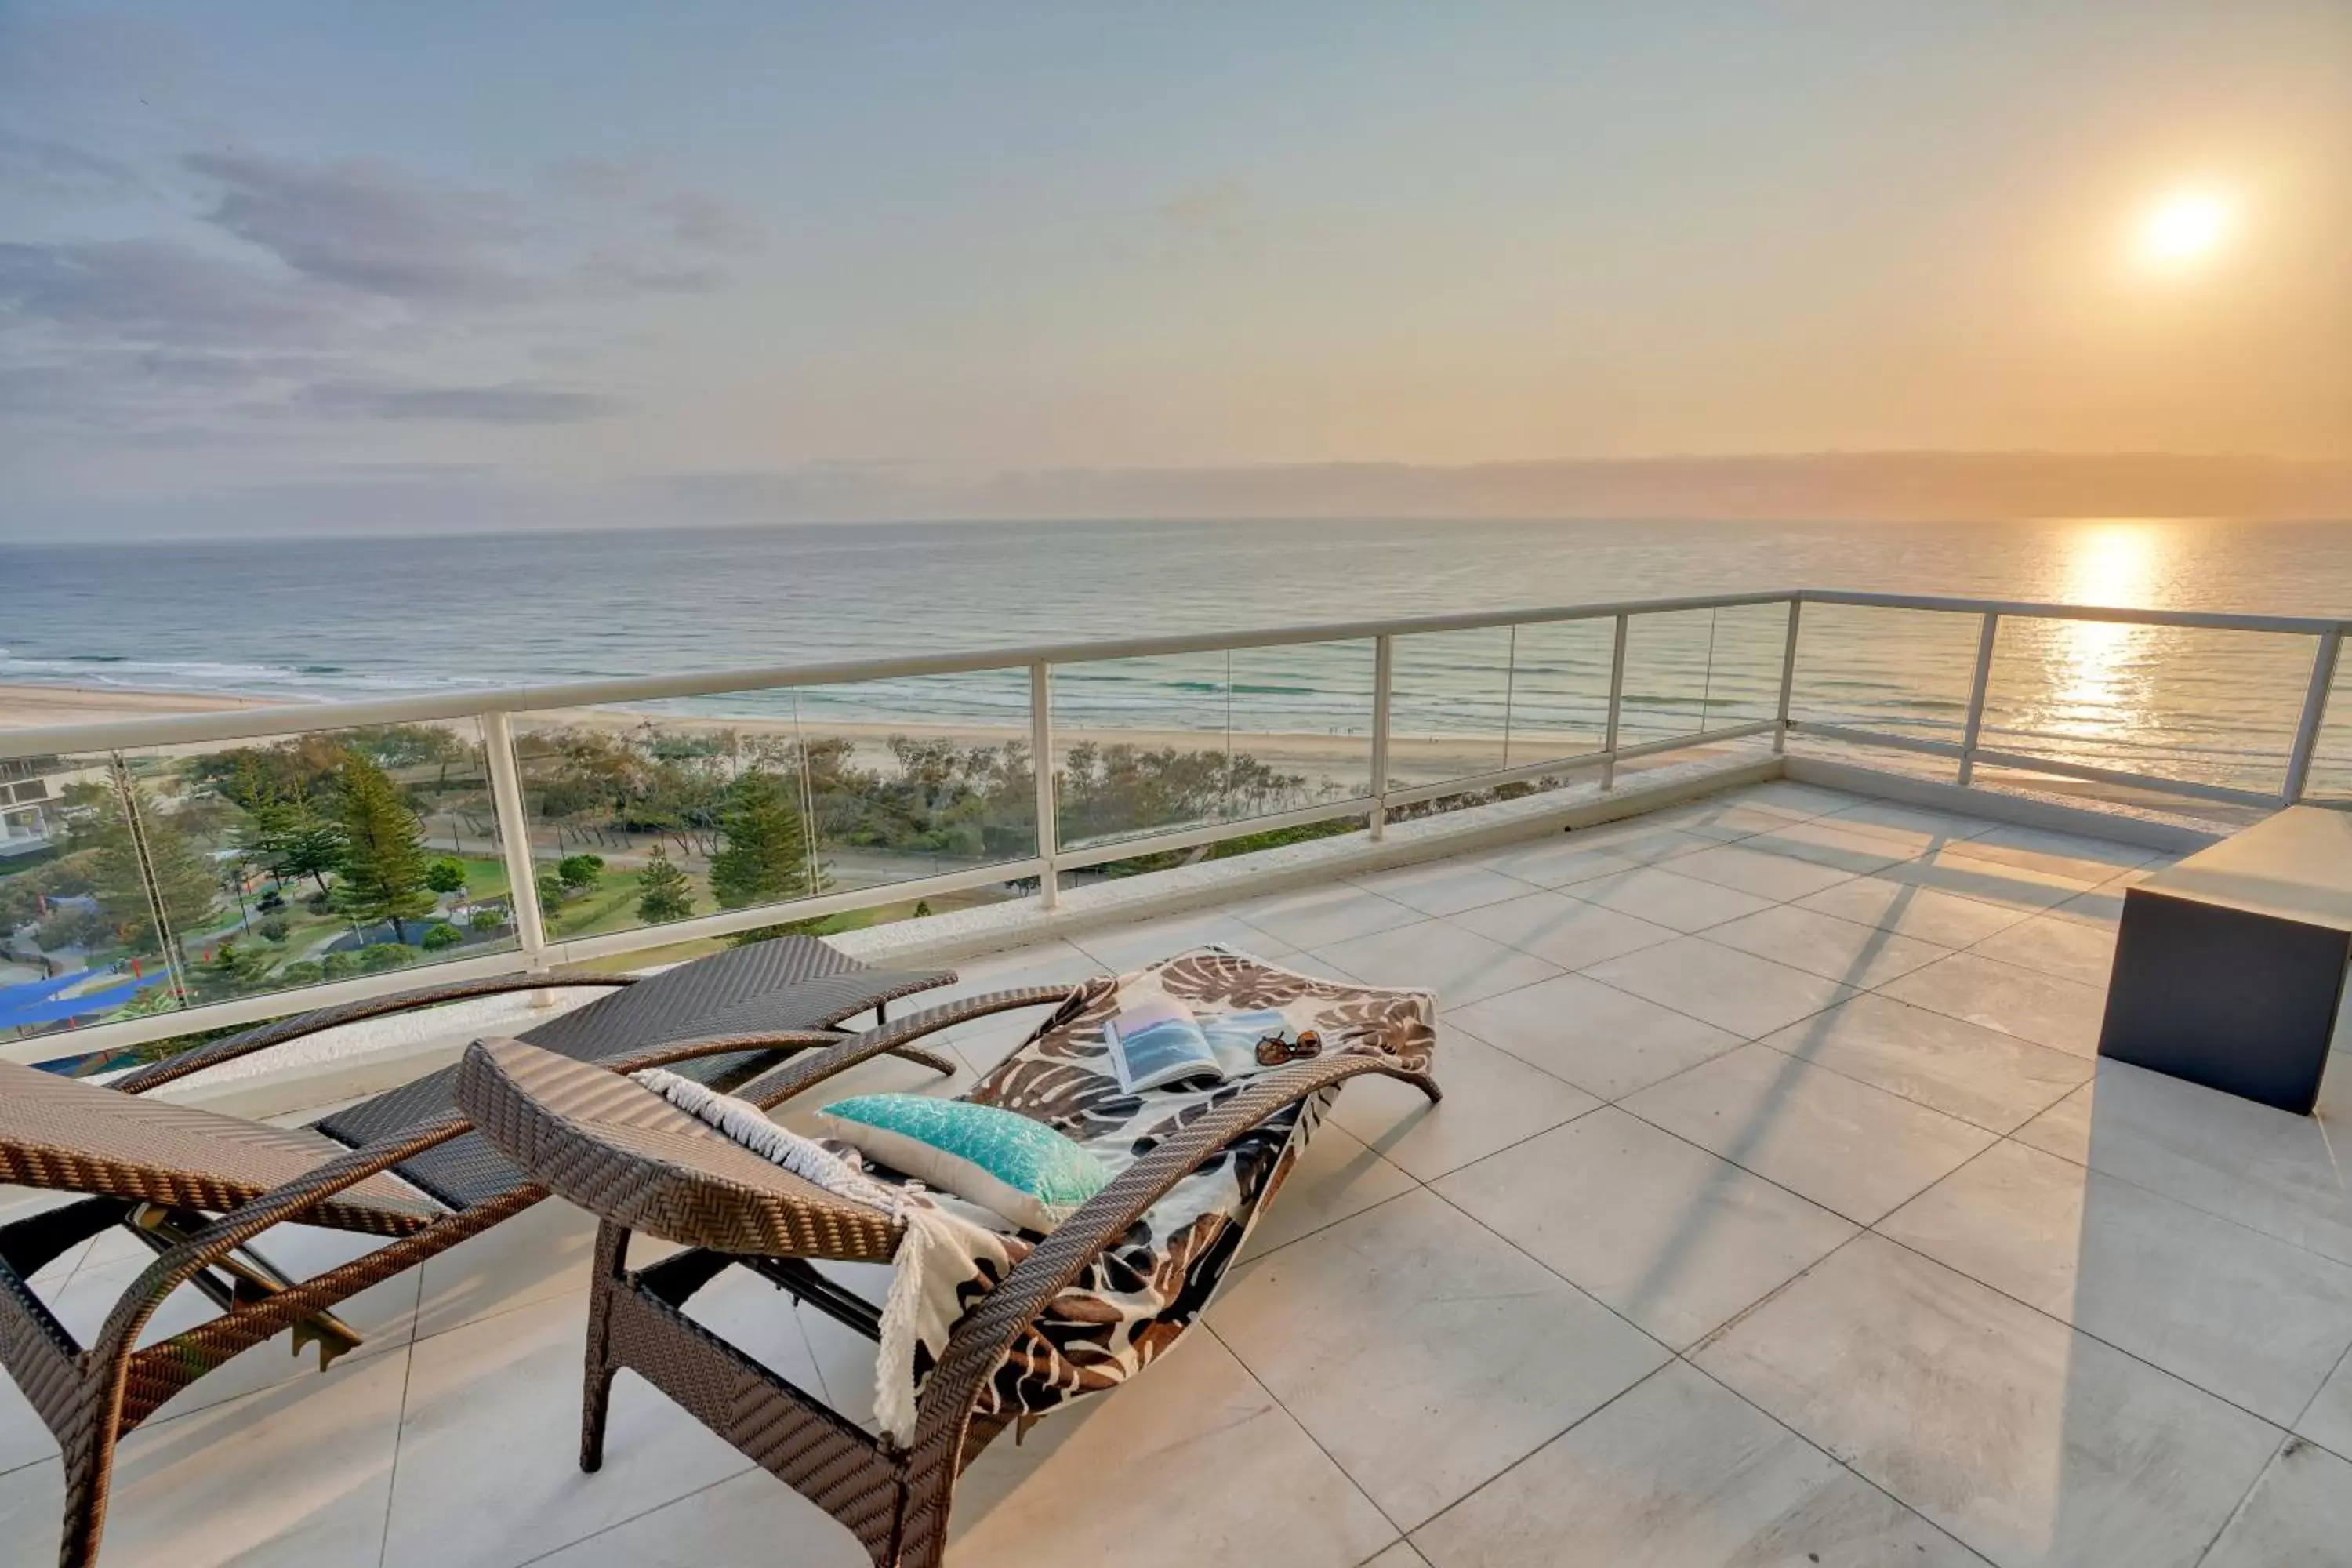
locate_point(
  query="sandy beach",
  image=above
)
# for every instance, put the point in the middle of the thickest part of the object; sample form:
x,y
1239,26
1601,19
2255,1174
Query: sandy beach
x,y
1345,759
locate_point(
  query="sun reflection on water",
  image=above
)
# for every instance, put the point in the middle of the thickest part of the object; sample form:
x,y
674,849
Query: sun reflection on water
x,y
2098,671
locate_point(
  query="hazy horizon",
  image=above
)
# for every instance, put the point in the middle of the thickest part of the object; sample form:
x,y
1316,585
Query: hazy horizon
x,y
292,270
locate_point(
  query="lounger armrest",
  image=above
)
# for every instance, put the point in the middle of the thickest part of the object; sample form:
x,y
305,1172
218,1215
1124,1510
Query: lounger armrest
x,y
778,1084
980,1341
175,1266
281,1030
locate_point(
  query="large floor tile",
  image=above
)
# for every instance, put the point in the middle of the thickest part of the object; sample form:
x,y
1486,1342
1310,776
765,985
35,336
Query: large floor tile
x,y
1721,985
1851,1148
1442,886
1682,1473
1338,1176
287,1478
2299,1515
1821,944
1946,919
1424,1354
1916,829
1323,914
1460,966
1593,852
1401,1555
2065,854
2329,1419
1666,1233
2172,1285
2031,1443
2283,1176
748,1519
2072,950
2063,1015
1759,871
1791,798
1603,1040
1827,842
1563,931
1979,1074
490,1442
1950,869
1155,1473
1722,817
540,1253
1493,1099
1662,898
1126,947
2104,904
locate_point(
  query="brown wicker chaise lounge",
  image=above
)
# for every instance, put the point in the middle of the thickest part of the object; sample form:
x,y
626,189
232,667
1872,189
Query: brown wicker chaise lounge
x,y
637,1163
197,1187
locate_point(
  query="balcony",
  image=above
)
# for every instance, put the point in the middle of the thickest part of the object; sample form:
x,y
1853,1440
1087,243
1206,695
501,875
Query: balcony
x,y
1778,1204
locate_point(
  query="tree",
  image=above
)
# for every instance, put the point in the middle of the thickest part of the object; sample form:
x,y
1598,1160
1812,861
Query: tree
x,y
766,856
235,969
447,874
441,935
664,894
578,873
550,888
485,920
384,856
132,887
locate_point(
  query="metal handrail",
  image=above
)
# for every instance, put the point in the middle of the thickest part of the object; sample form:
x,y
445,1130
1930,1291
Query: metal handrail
x,y
492,709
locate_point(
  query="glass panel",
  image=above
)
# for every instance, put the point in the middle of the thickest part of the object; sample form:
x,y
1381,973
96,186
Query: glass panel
x,y
2331,759
1559,689
145,881
1743,681
1666,656
1302,726
920,777
2207,706
1449,706
1177,741
664,811
1902,672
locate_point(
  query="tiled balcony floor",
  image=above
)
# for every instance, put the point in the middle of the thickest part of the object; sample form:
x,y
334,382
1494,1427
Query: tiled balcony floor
x,y
1778,1211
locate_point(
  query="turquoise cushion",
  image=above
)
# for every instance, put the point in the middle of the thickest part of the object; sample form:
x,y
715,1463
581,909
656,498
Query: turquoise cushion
x,y
1024,1170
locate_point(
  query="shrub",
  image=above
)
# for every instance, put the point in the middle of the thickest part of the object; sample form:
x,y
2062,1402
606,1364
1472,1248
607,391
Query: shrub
x,y
319,903
551,890
270,903
303,971
274,928
578,873
340,965
440,936
446,875
386,955
486,919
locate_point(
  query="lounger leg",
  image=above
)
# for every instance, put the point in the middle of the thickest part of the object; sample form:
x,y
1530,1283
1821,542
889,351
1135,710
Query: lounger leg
x,y
88,1455
607,1276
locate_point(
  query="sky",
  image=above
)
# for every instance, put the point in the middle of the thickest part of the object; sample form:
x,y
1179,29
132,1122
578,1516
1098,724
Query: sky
x,y
319,267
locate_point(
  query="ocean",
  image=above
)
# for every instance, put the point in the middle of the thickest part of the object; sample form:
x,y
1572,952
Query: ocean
x,y
329,619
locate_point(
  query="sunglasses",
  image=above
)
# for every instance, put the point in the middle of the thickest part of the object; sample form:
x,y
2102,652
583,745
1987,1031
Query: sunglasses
x,y
1274,1050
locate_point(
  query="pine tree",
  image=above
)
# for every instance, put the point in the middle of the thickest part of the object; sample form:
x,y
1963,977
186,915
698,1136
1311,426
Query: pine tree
x,y
383,867
766,856
129,885
664,894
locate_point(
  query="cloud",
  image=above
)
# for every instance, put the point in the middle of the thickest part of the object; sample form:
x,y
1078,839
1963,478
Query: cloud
x,y
156,291
1217,209
363,226
60,171
511,403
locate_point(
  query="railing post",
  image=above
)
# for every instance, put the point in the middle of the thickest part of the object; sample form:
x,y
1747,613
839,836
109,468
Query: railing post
x,y
1788,678
1383,681
514,839
1976,696
1041,744
1616,701
2315,715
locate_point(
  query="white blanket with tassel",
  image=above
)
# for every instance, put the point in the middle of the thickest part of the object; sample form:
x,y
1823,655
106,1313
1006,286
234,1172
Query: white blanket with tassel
x,y
941,1252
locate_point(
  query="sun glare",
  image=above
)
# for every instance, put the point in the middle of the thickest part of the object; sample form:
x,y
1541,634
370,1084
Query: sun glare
x,y
2185,229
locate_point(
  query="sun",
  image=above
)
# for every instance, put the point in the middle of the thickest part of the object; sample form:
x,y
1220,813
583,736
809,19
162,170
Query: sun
x,y
2185,229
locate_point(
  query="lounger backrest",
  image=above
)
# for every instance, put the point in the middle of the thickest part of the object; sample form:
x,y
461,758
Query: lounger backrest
x,y
69,1135
616,1148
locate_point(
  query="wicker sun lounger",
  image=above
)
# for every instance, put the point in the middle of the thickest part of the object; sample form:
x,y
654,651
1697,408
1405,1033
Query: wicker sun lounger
x,y
1059,1325
198,1186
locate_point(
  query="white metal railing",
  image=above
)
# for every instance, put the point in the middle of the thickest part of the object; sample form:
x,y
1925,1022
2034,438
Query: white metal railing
x,y
493,711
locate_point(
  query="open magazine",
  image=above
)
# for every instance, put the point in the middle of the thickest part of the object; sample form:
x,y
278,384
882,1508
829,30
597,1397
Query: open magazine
x,y
1160,1040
